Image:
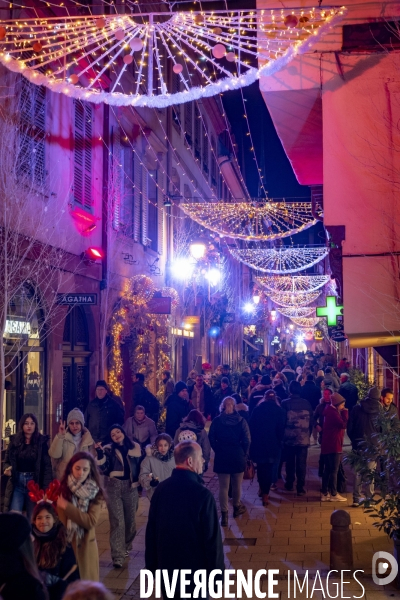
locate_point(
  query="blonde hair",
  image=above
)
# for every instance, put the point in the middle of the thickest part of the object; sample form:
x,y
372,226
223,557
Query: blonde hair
x,y
222,406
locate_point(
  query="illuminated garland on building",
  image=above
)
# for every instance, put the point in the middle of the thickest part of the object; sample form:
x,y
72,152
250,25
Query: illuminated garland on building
x,y
280,260
297,312
308,322
72,55
295,284
293,300
246,221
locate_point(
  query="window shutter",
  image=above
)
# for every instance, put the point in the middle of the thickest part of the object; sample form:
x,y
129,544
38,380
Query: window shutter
x,y
145,208
31,162
161,212
116,184
137,169
83,154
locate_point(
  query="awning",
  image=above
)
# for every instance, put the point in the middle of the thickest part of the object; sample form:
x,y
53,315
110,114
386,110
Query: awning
x,y
370,340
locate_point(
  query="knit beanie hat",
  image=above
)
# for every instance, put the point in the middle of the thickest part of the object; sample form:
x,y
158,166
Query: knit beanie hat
x,y
76,415
225,380
179,386
102,383
374,393
14,530
337,399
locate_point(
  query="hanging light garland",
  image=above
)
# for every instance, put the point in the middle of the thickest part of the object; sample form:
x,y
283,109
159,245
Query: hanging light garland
x,y
293,283
308,322
252,221
289,299
73,55
297,312
280,260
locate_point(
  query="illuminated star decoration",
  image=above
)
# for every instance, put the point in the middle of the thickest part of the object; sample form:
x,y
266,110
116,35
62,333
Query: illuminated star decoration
x,y
290,300
280,261
267,220
293,283
297,312
210,52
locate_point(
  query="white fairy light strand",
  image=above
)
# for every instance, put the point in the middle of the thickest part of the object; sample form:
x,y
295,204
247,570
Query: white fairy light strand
x,y
297,312
60,40
295,284
280,261
293,300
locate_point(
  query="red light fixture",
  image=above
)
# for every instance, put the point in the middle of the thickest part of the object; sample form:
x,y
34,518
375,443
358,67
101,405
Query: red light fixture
x,y
93,254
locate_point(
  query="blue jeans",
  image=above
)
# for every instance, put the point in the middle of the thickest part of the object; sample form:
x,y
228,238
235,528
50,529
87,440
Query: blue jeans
x,y
20,498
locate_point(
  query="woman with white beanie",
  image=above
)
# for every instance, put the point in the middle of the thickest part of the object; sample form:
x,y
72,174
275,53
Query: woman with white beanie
x,y
70,440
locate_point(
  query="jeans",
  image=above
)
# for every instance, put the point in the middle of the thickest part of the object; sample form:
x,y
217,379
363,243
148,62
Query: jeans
x,y
330,473
223,480
20,498
358,484
265,476
296,462
122,504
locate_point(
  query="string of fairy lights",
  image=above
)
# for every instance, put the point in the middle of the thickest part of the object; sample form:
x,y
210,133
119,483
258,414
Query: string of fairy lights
x,y
281,260
71,55
295,284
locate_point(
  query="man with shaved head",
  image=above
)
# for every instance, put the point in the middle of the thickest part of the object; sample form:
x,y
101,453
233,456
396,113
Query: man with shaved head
x,y
183,530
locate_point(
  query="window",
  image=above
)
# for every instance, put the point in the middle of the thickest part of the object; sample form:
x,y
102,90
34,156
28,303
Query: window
x,y
153,210
31,169
83,129
197,133
382,35
189,123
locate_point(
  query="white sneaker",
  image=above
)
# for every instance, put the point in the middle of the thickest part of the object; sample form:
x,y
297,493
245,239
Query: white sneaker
x,y
325,497
338,498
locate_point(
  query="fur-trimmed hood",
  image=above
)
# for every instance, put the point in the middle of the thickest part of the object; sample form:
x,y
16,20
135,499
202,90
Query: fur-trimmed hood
x,y
151,450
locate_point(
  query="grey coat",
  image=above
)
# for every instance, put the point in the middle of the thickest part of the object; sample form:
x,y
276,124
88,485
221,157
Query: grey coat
x,y
62,449
160,469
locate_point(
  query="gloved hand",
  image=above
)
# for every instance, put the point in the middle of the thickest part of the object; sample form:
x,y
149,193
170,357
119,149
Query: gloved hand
x,y
154,483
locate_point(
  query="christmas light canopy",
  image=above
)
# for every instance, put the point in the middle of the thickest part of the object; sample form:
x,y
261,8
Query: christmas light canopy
x,y
289,299
293,283
331,311
307,322
267,220
209,52
280,260
297,312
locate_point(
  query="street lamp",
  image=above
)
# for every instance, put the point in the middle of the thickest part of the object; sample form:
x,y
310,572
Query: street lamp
x,y
197,249
273,314
256,297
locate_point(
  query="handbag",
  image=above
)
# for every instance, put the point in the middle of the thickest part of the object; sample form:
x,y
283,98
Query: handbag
x,y
249,471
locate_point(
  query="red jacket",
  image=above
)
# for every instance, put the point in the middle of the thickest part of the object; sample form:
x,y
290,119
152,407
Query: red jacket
x,y
335,423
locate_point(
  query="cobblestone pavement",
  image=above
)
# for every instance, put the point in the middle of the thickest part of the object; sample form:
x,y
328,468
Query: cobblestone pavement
x,y
291,533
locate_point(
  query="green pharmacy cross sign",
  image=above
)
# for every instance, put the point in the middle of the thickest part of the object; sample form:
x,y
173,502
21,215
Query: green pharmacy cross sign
x,y
331,311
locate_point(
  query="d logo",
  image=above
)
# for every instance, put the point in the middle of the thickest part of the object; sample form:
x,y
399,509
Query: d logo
x,y
383,568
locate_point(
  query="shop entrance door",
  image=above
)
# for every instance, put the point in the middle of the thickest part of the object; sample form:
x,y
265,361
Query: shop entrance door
x,y
75,361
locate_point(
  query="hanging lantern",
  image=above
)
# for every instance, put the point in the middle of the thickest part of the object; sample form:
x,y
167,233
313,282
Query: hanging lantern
x,y
119,35
219,51
100,23
128,59
136,44
37,46
74,78
2,33
177,68
230,57
217,30
290,21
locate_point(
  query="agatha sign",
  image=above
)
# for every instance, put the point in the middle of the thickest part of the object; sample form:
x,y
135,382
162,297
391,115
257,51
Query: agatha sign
x,y
72,299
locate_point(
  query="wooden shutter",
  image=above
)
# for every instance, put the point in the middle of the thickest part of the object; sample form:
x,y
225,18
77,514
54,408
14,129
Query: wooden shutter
x,y
145,207
137,169
83,123
161,215
31,162
115,178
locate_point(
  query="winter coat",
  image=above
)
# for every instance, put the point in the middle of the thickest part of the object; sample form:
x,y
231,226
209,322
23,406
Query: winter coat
x,y
210,407
155,464
257,395
391,412
111,463
85,549
183,531
220,394
43,474
141,396
362,422
177,409
267,426
15,582
63,448
298,421
349,391
318,416
289,373
201,437
169,387
145,432
100,415
244,382
281,392
243,410
229,437
335,423
312,393
333,381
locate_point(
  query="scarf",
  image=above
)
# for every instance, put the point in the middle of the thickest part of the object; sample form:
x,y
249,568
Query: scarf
x,y
162,457
82,493
139,422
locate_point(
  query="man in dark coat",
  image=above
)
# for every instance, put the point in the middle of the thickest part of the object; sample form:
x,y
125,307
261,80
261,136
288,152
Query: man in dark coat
x,y
141,396
389,408
224,391
178,406
296,439
258,392
183,530
311,392
349,391
202,398
102,412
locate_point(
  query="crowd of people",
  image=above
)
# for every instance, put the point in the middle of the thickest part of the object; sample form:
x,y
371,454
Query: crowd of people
x,y
270,415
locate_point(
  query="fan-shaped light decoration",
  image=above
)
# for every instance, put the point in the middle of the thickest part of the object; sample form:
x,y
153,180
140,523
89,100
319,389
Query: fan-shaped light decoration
x,y
48,50
252,221
293,283
297,312
308,322
280,260
290,300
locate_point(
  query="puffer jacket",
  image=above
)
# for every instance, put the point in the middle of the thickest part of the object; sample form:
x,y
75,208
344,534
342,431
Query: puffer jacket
x,y
257,395
43,471
362,422
63,448
230,439
111,464
156,466
201,438
298,421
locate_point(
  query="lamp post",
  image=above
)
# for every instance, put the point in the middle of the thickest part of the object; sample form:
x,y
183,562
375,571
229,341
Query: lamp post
x,y
197,249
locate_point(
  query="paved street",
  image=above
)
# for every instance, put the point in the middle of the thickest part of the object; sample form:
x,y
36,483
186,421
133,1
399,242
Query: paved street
x,y
292,533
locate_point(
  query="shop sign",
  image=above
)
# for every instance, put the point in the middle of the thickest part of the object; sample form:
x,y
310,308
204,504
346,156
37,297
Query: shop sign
x,y
337,333
17,328
192,319
159,306
71,299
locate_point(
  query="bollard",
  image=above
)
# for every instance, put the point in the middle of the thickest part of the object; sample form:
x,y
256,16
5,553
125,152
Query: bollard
x,y
341,548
